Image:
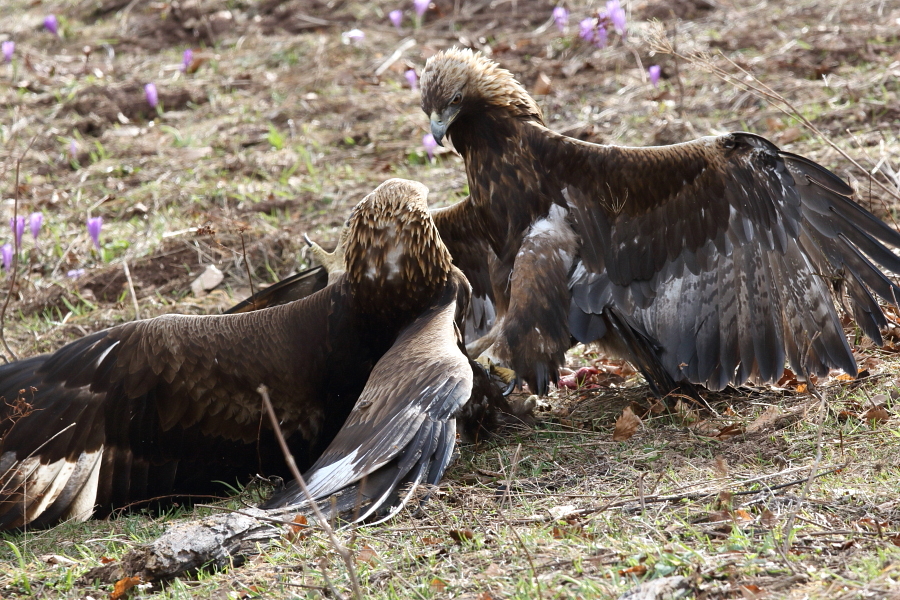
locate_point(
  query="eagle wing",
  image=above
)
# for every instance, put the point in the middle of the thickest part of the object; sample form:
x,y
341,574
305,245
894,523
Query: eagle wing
x,y
287,290
471,254
723,252
157,406
402,429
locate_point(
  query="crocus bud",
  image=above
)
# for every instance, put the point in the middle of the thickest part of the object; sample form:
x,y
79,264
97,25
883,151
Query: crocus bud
x,y
51,24
94,225
653,73
430,145
35,221
151,94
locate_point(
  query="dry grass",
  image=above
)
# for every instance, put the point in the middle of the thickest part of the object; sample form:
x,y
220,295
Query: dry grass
x,y
282,128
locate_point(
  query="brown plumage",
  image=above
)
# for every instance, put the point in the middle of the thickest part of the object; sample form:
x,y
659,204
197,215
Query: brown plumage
x,y
710,262
365,375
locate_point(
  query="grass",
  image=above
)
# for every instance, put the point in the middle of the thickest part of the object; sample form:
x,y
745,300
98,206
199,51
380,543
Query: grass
x,y
282,129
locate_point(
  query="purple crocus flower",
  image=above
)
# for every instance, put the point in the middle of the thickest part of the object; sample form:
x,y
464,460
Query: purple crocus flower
x,y
354,36
75,273
396,17
653,73
6,251
186,59
600,36
8,48
616,15
421,6
51,24
73,149
412,79
94,225
430,145
35,221
18,228
587,28
561,18
151,94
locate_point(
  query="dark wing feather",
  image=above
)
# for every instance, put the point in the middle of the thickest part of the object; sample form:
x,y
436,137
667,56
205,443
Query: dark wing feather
x,y
471,254
723,251
402,429
169,404
287,290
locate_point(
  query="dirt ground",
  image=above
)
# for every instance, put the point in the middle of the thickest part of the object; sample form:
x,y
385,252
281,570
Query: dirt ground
x,y
276,128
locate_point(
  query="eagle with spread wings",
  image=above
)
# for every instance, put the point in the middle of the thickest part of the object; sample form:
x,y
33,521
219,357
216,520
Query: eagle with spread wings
x,y
711,262
366,375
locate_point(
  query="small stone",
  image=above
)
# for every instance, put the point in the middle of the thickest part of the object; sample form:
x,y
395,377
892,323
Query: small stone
x,y
210,278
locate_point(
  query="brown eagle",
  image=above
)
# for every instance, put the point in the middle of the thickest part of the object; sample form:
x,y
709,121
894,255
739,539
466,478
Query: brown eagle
x,y
711,261
366,376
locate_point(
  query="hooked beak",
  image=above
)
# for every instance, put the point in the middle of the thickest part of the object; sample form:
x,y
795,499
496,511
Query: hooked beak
x,y
440,123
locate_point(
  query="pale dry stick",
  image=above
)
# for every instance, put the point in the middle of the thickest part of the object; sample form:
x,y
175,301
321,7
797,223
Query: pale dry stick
x,y
137,310
804,492
15,261
342,550
534,573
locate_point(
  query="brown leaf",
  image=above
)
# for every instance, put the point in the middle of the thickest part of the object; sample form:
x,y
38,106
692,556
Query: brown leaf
x,y
768,518
752,592
105,560
767,418
461,535
437,585
895,540
626,425
432,541
299,529
484,596
730,431
542,85
638,570
721,466
123,586
367,555
877,414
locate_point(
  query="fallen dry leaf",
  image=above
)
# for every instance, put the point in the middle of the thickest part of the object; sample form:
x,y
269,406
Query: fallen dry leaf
x,y
123,586
105,560
542,85
432,541
638,570
299,529
461,535
767,418
721,466
626,425
437,585
484,596
729,431
367,555
877,414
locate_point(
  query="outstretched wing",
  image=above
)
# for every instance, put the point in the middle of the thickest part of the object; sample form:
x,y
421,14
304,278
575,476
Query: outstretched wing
x,y
401,431
725,251
167,405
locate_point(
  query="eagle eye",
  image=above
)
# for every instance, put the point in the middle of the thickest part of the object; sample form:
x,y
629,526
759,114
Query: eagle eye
x,y
456,99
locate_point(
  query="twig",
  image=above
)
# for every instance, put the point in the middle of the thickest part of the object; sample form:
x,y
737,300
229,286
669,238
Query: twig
x,y
137,310
395,56
247,266
342,550
15,262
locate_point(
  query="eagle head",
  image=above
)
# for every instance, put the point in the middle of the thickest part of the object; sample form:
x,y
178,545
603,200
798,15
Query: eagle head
x,y
393,245
457,82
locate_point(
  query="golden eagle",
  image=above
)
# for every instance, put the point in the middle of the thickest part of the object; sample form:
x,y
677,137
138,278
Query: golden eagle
x,y
366,376
710,262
